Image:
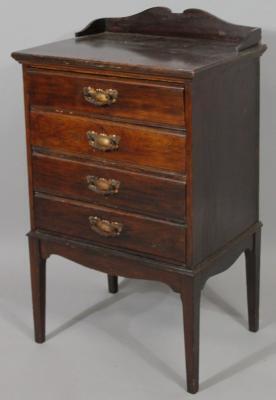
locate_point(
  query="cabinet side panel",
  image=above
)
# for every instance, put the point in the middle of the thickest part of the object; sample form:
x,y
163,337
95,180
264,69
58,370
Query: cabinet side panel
x,y
225,154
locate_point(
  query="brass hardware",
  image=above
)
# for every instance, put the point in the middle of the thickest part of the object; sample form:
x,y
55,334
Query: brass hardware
x,y
100,97
102,141
102,185
104,227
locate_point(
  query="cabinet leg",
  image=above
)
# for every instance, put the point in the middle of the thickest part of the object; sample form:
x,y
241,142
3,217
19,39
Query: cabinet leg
x,y
112,283
252,258
190,296
38,281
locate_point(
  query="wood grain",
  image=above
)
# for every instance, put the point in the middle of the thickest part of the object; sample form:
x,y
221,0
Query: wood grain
x,y
142,234
225,157
137,192
140,146
145,102
161,21
187,114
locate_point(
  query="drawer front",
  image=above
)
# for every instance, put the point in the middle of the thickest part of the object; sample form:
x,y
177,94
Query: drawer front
x,y
109,187
126,143
110,228
135,100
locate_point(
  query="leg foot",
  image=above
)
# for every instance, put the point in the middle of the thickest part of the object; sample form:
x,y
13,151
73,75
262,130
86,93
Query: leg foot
x,y
112,284
190,296
252,258
38,281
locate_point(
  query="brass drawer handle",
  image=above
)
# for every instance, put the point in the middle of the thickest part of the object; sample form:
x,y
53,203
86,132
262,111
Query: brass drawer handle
x,y
102,141
104,227
102,185
100,97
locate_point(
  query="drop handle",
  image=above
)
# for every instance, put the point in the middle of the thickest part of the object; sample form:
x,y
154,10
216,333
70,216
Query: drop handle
x,y
102,141
102,186
100,97
105,228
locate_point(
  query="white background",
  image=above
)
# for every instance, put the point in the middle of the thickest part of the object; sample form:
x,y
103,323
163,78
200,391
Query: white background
x,y
128,346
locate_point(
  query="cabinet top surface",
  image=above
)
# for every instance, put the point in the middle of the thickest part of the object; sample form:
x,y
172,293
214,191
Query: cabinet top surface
x,y
155,41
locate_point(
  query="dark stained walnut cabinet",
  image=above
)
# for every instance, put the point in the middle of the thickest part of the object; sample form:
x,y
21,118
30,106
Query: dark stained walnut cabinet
x,y
143,154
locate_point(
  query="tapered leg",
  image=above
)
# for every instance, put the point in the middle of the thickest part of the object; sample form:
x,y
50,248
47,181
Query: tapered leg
x,y
112,283
190,296
38,281
252,258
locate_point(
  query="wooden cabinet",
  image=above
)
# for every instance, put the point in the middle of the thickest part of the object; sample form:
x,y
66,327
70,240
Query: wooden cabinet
x,y
143,154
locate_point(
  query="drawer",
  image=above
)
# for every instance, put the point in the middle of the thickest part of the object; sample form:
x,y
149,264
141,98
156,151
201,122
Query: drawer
x,y
110,228
109,187
162,105
124,143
